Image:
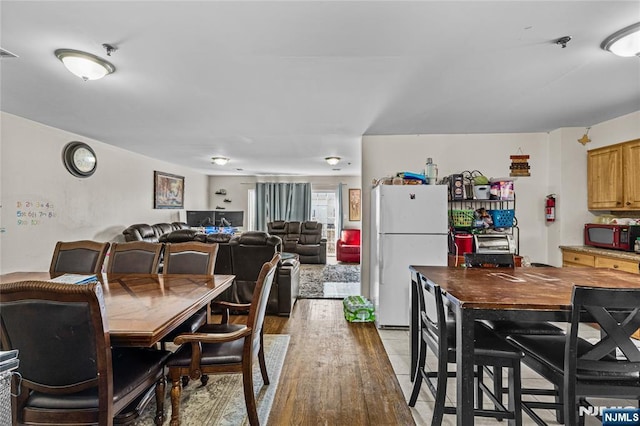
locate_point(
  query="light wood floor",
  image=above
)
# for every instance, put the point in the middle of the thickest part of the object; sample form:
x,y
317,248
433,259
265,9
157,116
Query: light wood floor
x,y
335,373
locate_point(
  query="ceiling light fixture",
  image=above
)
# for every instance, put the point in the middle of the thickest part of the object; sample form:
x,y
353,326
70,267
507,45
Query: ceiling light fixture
x,y
625,42
332,160
220,161
84,65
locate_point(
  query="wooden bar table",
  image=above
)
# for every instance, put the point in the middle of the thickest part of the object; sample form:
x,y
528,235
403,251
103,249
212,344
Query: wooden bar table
x,y
142,309
529,294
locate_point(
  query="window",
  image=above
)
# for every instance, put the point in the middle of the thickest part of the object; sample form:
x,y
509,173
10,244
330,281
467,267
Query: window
x,y
323,210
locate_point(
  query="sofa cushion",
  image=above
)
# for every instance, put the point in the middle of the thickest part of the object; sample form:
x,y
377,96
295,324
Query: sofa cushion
x,y
140,232
162,228
179,236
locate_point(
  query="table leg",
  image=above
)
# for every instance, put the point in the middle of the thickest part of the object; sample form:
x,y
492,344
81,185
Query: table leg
x,y
464,365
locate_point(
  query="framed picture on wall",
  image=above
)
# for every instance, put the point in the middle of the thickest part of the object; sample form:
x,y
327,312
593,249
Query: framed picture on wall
x,y
168,191
354,204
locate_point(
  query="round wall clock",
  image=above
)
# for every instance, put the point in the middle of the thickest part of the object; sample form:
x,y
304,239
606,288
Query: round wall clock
x,y
79,159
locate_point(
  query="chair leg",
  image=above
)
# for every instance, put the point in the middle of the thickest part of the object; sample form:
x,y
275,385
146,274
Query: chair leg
x,y
261,361
249,397
417,380
160,389
479,382
175,397
441,393
515,393
559,400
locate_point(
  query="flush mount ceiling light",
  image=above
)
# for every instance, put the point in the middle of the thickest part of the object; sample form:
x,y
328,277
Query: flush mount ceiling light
x,y
332,160
220,161
625,42
85,65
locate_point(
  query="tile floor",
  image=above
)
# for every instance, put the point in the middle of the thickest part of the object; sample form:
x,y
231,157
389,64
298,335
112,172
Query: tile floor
x,y
396,343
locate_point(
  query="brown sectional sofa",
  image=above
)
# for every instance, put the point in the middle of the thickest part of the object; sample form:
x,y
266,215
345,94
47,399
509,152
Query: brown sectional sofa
x,y
242,256
302,238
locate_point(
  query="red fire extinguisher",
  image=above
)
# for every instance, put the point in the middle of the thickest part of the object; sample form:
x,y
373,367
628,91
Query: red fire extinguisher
x,y
550,208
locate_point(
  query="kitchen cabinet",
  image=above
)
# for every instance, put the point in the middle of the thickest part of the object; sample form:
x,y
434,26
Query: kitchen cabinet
x,y
613,177
601,258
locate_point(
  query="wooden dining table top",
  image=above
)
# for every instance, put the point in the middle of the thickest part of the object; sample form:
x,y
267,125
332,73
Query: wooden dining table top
x,y
143,308
539,288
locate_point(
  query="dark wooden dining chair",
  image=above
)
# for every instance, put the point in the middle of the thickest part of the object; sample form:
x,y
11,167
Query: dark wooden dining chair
x,y
489,260
506,328
191,257
70,373
135,257
194,258
78,257
437,334
607,367
210,351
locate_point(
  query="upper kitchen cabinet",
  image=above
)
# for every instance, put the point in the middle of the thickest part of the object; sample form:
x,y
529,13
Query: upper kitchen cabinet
x,y
613,176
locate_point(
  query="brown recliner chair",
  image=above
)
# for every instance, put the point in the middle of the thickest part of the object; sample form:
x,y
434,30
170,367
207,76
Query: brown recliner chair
x,y
311,247
249,252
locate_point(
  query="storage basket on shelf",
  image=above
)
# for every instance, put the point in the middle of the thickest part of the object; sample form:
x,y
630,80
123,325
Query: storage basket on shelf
x,y
461,218
502,218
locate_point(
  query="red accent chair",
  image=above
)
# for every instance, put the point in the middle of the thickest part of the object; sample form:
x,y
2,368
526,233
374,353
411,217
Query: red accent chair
x,y
348,246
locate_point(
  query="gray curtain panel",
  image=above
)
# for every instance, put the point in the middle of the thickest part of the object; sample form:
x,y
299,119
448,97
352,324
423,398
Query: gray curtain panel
x,y
339,211
282,201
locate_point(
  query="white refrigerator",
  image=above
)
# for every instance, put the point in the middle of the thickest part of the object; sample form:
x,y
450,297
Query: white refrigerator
x,y
409,227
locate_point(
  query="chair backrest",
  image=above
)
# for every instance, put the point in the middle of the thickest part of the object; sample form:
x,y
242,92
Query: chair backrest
x,y
62,338
135,257
489,260
78,257
277,227
223,259
310,232
350,237
190,258
433,317
250,251
616,311
255,319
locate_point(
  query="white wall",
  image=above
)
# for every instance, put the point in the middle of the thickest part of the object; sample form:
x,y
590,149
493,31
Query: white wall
x,y
100,207
237,188
558,165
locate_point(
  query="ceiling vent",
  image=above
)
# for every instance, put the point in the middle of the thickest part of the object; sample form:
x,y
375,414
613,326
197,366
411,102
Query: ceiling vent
x,y
6,54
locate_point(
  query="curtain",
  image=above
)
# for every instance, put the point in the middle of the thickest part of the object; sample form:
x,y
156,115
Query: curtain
x,y
339,211
282,201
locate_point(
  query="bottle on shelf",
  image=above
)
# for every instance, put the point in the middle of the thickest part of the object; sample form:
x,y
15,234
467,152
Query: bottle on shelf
x,y
430,172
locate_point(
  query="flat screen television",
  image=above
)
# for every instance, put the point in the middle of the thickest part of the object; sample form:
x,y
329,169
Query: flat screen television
x,y
201,218
229,218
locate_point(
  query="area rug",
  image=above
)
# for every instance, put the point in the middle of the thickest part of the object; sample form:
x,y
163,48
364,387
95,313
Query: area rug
x,y
313,277
221,401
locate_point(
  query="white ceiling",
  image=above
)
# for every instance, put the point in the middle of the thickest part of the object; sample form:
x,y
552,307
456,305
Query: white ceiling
x,y
278,86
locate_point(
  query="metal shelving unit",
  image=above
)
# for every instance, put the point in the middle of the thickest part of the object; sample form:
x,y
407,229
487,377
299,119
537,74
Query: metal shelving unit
x,y
459,220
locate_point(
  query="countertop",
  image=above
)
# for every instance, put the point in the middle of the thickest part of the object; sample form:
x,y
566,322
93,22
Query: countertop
x,y
627,255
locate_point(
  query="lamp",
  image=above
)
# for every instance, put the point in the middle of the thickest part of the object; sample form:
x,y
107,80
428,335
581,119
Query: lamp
x,y
332,160
625,42
220,161
84,65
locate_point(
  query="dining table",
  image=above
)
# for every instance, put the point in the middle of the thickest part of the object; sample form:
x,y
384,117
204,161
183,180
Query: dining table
x,y
523,294
142,309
